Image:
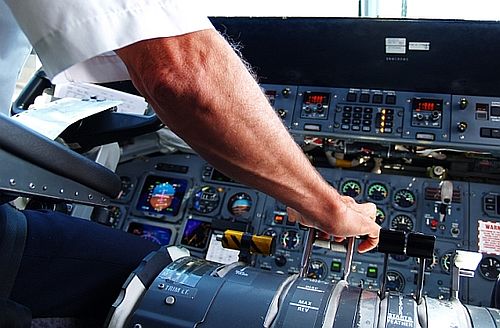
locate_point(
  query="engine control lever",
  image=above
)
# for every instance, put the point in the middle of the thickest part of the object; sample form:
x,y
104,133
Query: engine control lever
x,y
348,257
422,247
306,252
464,264
390,242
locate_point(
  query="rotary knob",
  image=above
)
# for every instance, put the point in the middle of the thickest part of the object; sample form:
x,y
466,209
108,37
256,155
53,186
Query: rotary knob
x,y
281,113
463,102
462,126
286,92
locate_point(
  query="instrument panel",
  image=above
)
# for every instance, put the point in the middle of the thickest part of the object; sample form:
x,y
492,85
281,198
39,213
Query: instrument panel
x,y
200,202
458,121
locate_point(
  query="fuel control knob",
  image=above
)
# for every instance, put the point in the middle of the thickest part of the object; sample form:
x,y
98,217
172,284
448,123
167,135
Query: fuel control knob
x,y
463,102
286,92
462,127
281,113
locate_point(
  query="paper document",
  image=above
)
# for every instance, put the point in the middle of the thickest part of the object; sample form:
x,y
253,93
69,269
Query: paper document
x,y
131,104
217,253
53,118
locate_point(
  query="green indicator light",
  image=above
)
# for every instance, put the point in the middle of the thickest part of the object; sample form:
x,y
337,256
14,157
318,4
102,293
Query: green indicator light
x,y
336,266
372,272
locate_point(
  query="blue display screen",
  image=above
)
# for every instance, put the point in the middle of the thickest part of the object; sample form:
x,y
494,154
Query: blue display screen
x,y
196,234
153,233
162,195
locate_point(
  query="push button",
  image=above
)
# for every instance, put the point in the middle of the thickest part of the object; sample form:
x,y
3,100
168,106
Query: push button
x,y
486,132
390,99
351,97
364,98
377,99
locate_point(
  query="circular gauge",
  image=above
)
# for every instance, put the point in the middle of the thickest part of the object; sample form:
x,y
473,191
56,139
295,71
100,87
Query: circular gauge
x,y
404,198
402,222
127,186
290,239
317,270
351,188
446,262
380,216
429,264
270,233
240,204
377,192
490,268
206,199
394,281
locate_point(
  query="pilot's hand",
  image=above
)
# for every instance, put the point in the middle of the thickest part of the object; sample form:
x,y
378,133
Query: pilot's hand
x,y
350,219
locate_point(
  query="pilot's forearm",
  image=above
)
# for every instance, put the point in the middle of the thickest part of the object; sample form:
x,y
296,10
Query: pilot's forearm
x,y
203,92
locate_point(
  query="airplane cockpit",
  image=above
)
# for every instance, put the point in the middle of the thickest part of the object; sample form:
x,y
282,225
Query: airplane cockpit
x,y
403,112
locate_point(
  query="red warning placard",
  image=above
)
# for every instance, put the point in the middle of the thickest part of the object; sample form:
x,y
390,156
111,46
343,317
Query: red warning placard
x,y
489,237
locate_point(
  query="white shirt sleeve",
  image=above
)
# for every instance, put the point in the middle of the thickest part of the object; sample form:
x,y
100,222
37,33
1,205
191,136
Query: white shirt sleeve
x,y
75,39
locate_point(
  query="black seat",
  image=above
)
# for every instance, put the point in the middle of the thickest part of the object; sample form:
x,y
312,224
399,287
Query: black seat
x,y
35,148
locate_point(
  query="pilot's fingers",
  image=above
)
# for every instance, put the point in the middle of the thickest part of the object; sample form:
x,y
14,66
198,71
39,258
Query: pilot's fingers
x,y
369,243
338,239
293,215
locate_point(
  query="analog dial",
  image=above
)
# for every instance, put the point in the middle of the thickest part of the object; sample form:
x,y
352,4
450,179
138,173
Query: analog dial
x,y
490,268
377,192
402,222
404,198
240,204
394,281
380,216
351,188
317,270
445,262
290,239
206,199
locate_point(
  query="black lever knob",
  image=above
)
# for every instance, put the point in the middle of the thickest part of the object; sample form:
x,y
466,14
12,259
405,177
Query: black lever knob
x,y
420,245
391,242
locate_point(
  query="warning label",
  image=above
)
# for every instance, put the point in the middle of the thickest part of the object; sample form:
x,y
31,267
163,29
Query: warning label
x,y
489,237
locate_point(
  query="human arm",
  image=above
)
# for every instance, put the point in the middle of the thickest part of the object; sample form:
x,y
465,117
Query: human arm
x,y
201,89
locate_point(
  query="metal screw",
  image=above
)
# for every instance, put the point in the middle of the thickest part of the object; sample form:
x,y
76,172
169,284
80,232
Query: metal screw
x,y
12,182
32,185
61,191
170,300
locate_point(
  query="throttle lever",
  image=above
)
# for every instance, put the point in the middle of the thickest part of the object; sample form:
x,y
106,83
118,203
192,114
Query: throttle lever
x,y
306,253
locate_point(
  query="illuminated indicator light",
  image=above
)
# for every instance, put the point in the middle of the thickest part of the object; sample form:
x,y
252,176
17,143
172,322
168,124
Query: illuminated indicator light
x,y
383,111
278,218
382,130
434,224
372,272
382,124
336,266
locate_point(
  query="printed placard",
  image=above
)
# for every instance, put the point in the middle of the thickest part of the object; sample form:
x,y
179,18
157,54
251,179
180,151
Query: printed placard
x,y
489,237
